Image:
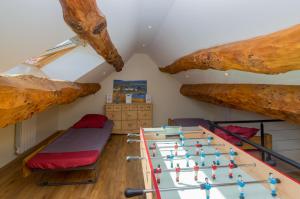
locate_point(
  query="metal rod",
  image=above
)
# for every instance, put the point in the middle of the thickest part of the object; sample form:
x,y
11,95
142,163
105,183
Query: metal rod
x,y
133,135
179,157
168,140
191,146
136,192
271,152
209,167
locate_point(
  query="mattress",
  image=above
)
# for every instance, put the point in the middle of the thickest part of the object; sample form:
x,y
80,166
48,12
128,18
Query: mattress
x,y
75,148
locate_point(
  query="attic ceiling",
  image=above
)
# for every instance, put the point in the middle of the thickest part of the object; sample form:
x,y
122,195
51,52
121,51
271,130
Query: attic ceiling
x,y
165,30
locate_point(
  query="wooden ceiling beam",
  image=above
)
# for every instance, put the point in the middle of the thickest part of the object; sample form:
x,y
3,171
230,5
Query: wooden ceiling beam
x,y
278,52
85,19
22,96
275,101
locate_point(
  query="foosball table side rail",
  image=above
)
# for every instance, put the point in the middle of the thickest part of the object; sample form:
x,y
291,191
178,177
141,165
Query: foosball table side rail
x,y
147,168
288,187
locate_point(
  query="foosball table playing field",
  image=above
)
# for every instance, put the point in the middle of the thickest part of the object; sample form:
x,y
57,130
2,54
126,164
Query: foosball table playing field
x,y
194,163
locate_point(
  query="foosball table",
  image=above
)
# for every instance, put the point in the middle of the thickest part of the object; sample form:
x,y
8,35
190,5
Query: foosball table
x,y
194,163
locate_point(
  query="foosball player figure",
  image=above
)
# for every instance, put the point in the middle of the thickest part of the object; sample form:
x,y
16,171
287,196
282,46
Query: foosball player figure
x,y
176,148
198,146
272,182
177,170
232,154
241,184
153,149
181,138
187,158
157,173
209,139
207,187
213,170
218,155
196,171
231,166
171,158
202,157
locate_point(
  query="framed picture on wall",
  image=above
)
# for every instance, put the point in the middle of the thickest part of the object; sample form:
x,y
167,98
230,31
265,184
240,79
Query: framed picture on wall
x,y
137,89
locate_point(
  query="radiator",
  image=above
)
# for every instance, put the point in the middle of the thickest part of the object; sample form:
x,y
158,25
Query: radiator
x,y
25,134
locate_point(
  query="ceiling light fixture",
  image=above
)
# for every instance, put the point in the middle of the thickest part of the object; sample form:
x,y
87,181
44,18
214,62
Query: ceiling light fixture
x,y
149,27
226,74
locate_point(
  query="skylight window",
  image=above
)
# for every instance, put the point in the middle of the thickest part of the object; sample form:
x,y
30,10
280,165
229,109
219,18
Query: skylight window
x,y
54,53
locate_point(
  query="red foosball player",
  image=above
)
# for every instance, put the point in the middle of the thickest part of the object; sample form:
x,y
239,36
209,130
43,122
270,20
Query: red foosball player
x,y
176,149
157,173
213,170
153,149
196,171
198,146
231,166
177,170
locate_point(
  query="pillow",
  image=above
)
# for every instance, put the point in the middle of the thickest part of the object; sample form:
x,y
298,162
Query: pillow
x,y
91,121
242,131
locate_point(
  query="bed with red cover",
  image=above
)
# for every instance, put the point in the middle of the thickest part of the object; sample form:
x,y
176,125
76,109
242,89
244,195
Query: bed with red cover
x,y
78,148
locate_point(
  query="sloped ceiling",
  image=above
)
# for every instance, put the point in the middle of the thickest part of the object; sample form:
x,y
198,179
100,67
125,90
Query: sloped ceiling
x,y
28,28
165,30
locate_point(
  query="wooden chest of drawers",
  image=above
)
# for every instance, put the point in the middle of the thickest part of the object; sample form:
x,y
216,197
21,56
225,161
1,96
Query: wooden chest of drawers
x,y
129,118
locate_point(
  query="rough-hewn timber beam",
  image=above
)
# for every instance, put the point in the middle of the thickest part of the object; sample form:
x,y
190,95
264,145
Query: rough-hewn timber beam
x,y
84,17
276,101
278,52
22,96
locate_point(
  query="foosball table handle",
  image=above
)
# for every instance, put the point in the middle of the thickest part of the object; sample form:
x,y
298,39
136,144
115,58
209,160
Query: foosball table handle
x,y
134,192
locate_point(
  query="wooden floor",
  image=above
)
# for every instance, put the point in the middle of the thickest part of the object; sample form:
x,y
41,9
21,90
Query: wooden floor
x,y
115,174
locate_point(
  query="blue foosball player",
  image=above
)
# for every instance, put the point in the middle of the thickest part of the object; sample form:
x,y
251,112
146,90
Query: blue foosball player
x,y
206,186
241,184
209,139
187,158
217,155
272,182
171,158
202,157
182,139
232,154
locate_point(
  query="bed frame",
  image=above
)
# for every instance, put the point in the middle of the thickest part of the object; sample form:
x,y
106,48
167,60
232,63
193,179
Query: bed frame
x,y
45,182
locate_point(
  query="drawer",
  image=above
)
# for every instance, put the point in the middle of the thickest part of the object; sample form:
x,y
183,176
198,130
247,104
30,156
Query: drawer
x,y
126,107
129,125
115,115
145,123
117,107
145,107
109,107
145,115
129,115
117,125
133,107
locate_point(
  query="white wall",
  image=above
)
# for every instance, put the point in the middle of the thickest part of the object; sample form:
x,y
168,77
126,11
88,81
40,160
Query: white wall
x,y
47,124
167,101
